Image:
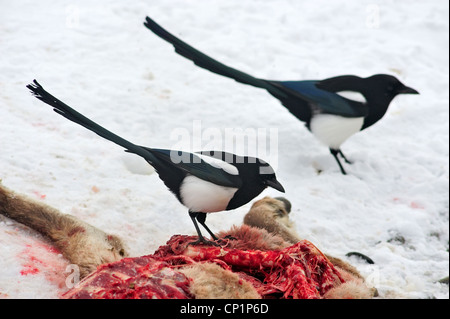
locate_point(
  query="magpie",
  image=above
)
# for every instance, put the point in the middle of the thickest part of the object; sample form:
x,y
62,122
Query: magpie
x,y
327,107
204,182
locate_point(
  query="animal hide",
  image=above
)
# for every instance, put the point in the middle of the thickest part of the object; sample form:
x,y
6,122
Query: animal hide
x,y
264,258
230,271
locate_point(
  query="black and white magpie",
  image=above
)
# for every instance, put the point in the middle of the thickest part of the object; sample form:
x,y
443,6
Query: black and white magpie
x,y
326,106
204,182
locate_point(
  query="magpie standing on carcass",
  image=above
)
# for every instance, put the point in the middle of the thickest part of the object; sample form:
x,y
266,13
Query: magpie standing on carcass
x,y
326,106
204,182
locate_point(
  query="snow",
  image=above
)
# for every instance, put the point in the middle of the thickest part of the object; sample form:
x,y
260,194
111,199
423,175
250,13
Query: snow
x,y
393,206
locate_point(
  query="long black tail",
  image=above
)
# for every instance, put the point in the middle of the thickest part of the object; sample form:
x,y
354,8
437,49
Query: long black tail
x,y
69,113
206,62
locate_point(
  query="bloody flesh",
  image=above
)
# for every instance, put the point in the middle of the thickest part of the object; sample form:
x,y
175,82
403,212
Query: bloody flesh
x,y
299,271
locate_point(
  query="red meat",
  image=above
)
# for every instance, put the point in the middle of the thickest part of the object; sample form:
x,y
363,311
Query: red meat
x,y
298,271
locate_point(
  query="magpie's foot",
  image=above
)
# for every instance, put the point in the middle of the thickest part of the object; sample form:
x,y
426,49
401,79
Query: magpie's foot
x,y
345,158
229,237
203,241
348,161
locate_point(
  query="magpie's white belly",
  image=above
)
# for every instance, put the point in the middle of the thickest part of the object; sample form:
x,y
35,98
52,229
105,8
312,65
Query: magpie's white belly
x,y
204,197
333,130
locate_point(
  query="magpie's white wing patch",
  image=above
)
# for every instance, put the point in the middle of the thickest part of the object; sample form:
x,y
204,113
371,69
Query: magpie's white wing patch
x,y
352,95
217,163
205,197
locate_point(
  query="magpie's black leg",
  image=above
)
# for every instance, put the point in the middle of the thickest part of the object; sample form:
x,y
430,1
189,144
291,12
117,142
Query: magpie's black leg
x,y
201,239
201,218
345,158
194,220
335,154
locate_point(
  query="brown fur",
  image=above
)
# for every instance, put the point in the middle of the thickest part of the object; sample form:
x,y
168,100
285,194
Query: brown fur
x,y
352,289
253,238
89,247
210,281
272,215
339,263
79,242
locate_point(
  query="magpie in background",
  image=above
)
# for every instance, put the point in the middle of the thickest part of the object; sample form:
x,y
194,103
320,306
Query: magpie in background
x,y
204,182
327,107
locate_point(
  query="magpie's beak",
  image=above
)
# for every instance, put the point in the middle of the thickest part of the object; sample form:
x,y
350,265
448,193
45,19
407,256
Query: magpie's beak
x,y
275,184
407,90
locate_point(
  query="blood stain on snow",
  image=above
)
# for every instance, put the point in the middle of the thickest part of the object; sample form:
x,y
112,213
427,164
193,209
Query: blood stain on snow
x,y
43,259
95,189
412,204
30,267
39,195
416,205
29,270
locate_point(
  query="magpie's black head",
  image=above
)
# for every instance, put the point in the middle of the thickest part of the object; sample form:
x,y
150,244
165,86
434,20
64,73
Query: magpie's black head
x,y
257,171
389,85
267,176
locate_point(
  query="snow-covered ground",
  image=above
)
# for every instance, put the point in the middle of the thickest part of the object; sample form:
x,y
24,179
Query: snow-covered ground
x,y
99,58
